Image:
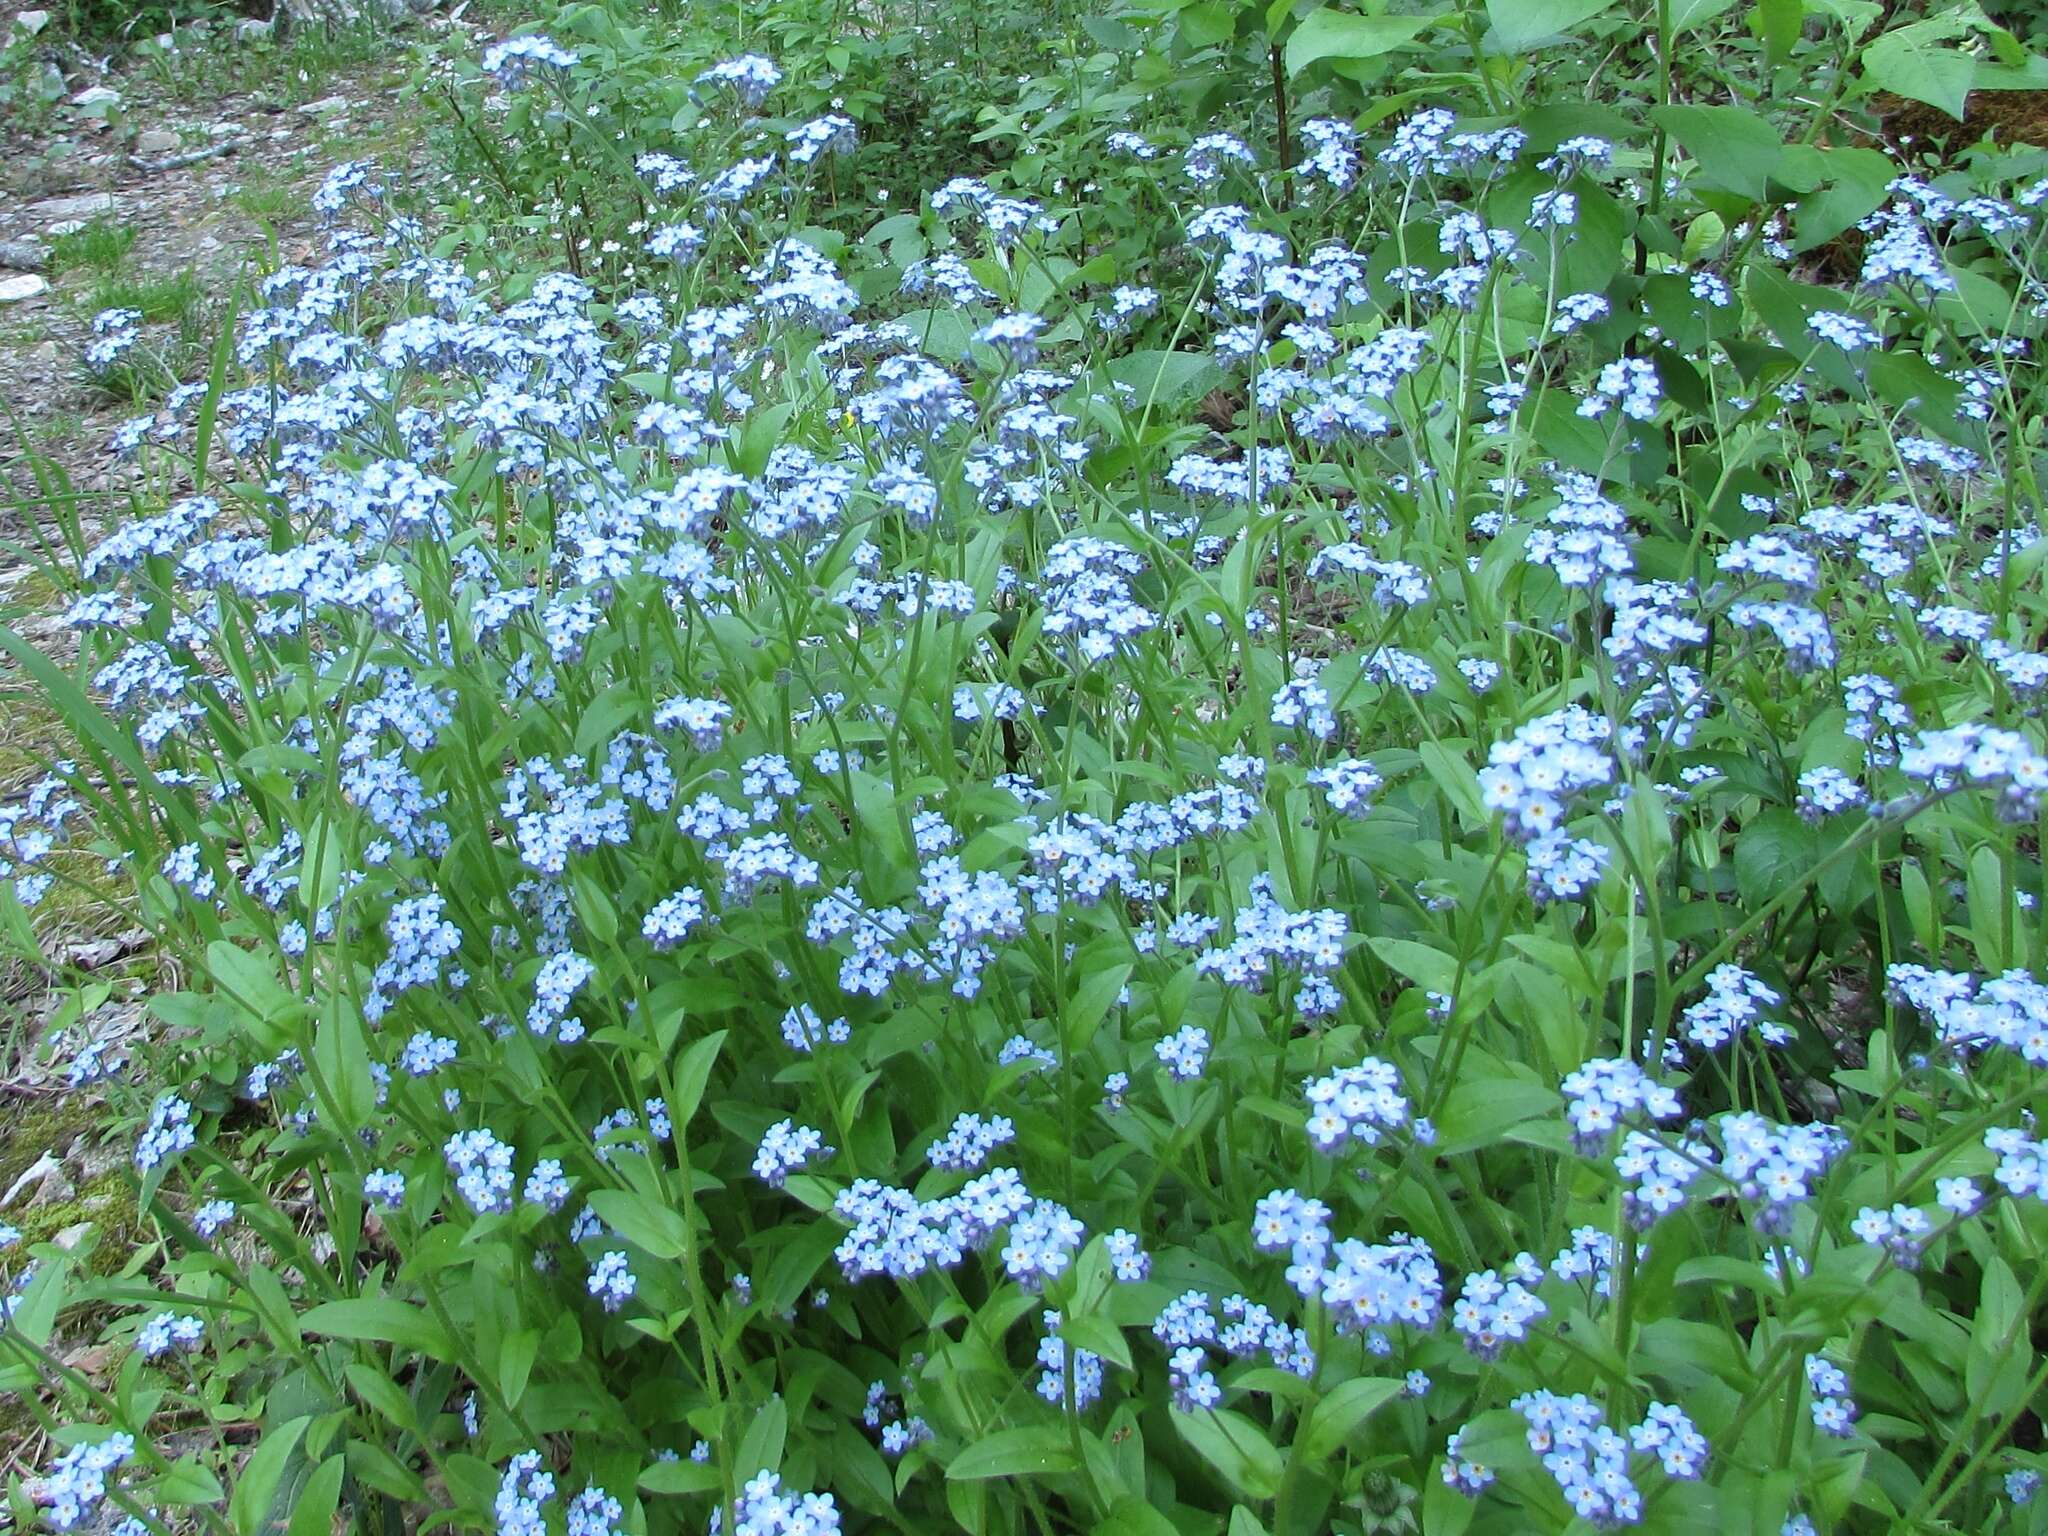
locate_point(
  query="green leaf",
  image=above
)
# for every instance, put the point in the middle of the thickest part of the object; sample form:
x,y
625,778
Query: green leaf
x,y
1779,23
1734,148
641,1222
761,1450
1687,14
1774,854
382,1395
1479,1111
1099,1336
1236,1447
187,1482
692,1072
1423,964
380,1320
944,333
1456,781
1520,25
256,1485
1033,1451
1090,1004
1167,376
515,1362
1333,1421
1913,62
1334,34
342,1053
1134,1517
679,1477
313,1515
320,869
250,982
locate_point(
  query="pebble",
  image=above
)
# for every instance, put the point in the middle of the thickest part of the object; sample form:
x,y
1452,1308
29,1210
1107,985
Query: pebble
x,y
97,96
158,141
326,106
25,285
33,1174
86,205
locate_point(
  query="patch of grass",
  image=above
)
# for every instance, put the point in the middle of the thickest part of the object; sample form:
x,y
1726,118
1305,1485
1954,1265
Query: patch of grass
x,y
270,200
159,299
301,68
101,246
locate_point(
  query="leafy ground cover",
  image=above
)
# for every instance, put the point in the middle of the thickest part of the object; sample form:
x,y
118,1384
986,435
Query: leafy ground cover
x,y
1287,779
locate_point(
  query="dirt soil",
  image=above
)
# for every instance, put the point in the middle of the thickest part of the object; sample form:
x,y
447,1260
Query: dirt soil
x,y
210,159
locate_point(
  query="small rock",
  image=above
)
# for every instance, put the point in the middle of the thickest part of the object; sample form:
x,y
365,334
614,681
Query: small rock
x,y
65,227
158,141
209,243
95,1163
26,285
34,1174
93,1359
56,1186
326,106
87,205
251,29
97,96
29,23
69,1239
46,355
223,129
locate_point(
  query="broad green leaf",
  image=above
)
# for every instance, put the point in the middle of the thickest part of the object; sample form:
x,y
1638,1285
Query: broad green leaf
x,y
693,1071
342,1052
313,1514
250,982
761,1450
381,1320
642,1222
1774,853
1332,1422
1735,148
1033,1451
1134,1517
1687,14
1456,780
382,1395
1334,34
1479,1111
1520,25
256,1484
1236,1447
1166,377
186,1482
1779,23
673,1477
1914,62
1423,964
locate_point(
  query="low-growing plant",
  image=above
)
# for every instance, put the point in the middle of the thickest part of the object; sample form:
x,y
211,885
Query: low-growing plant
x,y
100,245
1370,862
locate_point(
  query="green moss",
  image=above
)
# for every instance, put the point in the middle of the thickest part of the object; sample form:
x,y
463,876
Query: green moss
x,y
49,1125
108,1202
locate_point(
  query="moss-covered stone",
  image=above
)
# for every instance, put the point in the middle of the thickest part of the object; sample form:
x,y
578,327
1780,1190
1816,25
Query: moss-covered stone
x,y
32,1127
